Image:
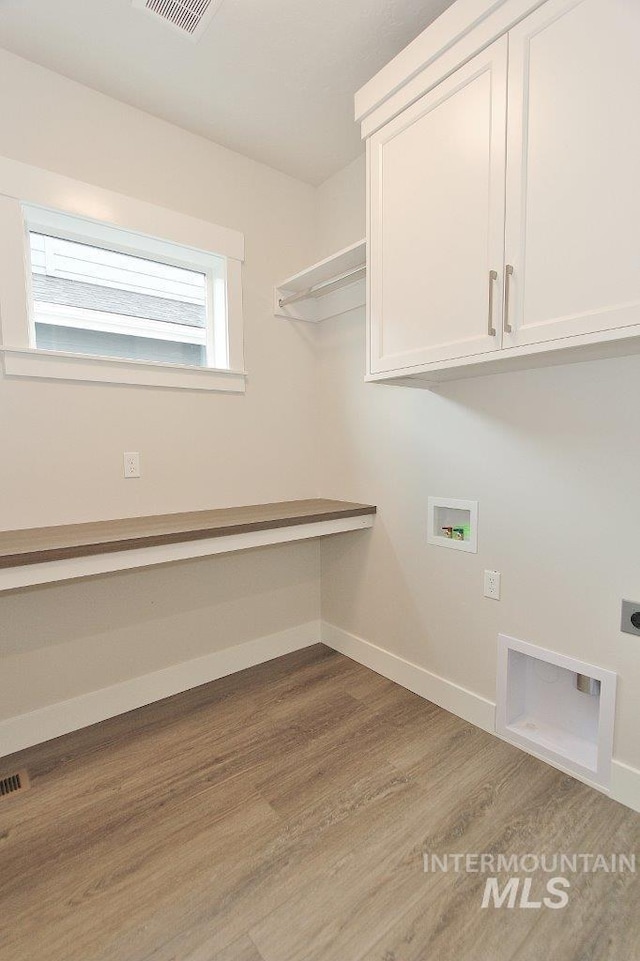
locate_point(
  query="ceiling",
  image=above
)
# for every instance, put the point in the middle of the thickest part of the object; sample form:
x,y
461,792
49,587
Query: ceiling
x,y
273,79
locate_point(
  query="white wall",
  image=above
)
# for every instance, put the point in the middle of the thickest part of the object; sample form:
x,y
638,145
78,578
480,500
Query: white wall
x,y
62,443
341,208
551,455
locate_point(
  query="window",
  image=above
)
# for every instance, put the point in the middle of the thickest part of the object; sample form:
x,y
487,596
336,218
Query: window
x,y
135,295
161,302
89,300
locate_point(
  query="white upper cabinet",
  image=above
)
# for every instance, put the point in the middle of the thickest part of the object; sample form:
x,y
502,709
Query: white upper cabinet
x,y
435,169
503,201
573,169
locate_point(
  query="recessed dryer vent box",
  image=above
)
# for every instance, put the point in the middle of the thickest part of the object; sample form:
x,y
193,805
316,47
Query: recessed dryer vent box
x,y
542,708
453,523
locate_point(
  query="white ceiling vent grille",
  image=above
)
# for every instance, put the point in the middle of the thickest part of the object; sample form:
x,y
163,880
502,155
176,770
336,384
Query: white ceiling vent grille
x,y
189,18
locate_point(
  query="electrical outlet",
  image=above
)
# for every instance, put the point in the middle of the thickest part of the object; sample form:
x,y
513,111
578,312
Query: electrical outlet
x,y
492,584
131,463
630,622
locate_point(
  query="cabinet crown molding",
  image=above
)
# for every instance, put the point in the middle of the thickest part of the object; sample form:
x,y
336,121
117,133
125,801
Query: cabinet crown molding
x,y
458,34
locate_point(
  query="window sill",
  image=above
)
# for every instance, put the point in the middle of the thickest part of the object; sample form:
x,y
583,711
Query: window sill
x,y
54,365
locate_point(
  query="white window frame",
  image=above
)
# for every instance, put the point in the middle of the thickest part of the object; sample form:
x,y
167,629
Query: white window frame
x,y
214,267
35,199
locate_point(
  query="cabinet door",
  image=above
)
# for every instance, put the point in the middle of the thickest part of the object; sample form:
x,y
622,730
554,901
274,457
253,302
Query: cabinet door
x,y
436,221
573,170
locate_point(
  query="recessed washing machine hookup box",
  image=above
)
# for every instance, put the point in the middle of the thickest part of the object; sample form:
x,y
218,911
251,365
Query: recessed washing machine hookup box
x,y
453,523
545,707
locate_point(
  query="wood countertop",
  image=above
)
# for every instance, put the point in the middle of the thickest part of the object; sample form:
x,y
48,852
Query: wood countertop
x,y
40,544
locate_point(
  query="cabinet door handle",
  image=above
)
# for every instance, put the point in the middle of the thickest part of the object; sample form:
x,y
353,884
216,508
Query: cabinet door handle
x,y
508,271
493,276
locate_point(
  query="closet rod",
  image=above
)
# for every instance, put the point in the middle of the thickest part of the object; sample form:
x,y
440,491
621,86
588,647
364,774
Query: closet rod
x,y
319,290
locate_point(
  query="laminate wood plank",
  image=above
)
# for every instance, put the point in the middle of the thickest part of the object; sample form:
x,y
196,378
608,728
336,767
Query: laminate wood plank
x,y
281,814
41,544
141,869
427,737
347,910
447,922
349,905
232,740
158,786
242,950
365,815
243,694
251,891
253,886
309,781
299,852
587,937
318,828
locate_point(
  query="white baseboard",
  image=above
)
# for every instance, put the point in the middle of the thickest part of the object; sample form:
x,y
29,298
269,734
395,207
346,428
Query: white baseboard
x,y
625,784
54,720
465,704
478,710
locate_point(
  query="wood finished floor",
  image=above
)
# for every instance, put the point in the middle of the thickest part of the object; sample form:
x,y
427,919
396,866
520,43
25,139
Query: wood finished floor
x,y
281,815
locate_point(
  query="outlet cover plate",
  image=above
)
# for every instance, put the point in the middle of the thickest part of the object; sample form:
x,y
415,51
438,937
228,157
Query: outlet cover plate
x,y
131,463
492,584
630,609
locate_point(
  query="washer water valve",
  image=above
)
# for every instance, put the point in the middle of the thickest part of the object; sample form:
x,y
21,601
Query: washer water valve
x,y
588,685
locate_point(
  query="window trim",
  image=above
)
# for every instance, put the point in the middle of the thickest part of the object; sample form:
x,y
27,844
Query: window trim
x,y
57,365
23,187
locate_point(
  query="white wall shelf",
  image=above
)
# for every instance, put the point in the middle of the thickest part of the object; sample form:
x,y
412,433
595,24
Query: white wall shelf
x,y
540,709
326,289
46,555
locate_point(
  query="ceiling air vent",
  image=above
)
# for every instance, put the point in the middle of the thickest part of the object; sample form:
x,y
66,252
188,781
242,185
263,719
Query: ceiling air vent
x,y
189,18
14,783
